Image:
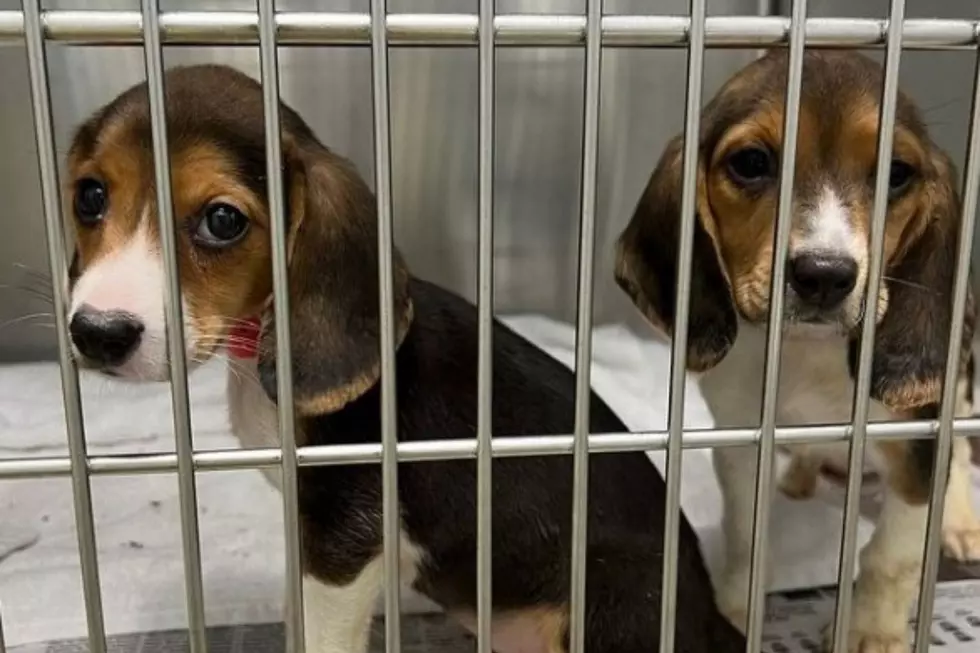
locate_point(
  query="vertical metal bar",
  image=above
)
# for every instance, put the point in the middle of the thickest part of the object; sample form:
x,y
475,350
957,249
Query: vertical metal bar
x,y
678,356
74,422
3,640
174,319
583,330
862,398
940,479
389,434
484,419
763,490
767,7
269,64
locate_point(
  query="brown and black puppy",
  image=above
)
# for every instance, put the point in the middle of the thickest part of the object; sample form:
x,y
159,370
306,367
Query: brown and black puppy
x,y
827,269
218,168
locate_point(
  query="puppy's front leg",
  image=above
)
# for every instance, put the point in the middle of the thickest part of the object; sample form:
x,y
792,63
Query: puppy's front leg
x,y
961,528
736,470
886,587
338,617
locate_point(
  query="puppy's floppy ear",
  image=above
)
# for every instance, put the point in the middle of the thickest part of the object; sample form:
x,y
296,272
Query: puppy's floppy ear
x,y
333,284
646,264
910,343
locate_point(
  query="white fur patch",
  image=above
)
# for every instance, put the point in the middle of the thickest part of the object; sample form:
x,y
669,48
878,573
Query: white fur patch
x,y
815,387
253,416
338,618
131,279
828,228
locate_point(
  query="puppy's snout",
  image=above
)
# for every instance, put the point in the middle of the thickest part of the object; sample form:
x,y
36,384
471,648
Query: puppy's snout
x,y
822,281
105,337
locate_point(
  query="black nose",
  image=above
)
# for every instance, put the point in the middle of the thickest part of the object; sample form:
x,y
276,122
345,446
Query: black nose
x,y
823,281
106,337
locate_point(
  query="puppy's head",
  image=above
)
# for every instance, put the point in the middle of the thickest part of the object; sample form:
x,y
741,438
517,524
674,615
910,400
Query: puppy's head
x,y
827,267
218,170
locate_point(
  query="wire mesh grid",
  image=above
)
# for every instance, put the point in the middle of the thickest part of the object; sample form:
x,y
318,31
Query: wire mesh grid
x,y
487,31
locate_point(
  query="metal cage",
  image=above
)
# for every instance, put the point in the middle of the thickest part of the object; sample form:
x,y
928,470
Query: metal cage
x,y
486,31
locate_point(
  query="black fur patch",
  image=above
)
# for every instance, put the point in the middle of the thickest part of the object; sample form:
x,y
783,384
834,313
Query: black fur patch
x,y
532,509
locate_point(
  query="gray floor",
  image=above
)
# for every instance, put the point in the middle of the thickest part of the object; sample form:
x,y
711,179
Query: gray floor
x,y
420,633
794,622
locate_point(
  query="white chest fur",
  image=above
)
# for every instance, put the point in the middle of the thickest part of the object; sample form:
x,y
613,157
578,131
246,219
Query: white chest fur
x,y
815,386
253,416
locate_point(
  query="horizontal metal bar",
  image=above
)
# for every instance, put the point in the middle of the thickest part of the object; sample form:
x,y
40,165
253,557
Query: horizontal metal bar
x,y
465,448
319,29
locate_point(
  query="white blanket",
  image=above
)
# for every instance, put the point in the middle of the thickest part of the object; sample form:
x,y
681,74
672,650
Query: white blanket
x,y
138,522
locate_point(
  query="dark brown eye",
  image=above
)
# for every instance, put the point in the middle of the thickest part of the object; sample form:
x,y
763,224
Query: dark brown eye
x,y
899,177
91,201
221,225
750,166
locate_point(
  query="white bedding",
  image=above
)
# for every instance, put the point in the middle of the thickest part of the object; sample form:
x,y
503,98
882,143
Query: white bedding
x,y
138,522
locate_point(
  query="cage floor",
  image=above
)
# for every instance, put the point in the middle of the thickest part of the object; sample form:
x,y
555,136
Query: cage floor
x,y
138,524
793,625
420,633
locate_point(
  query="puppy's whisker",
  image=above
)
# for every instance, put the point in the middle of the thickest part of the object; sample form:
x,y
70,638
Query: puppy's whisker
x,y
209,330
243,371
910,284
34,275
25,318
233,366
34,292
220,320
218,341
35,284
32,271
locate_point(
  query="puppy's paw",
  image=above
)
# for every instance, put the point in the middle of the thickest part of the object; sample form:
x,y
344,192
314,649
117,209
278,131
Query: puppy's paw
x,y
859,641
736,617
731,599
798,484
962,543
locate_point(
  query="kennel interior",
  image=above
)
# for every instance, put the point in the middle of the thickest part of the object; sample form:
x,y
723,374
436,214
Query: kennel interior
x,y
576,122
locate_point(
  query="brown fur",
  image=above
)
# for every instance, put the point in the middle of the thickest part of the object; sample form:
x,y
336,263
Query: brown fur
x,y
553,625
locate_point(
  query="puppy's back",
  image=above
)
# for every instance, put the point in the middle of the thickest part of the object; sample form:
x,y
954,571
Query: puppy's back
x,y
533,394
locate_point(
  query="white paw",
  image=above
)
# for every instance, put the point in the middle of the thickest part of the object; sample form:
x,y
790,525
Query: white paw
x,y
859,641
798,484
731,597
962,543
737,618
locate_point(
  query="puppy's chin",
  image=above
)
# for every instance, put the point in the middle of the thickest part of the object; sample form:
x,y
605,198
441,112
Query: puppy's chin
x,y
813,330
801,319
817,321
137,369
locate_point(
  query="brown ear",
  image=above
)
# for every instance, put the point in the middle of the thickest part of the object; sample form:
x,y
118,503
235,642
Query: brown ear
x,y
646,264
910,343
333,284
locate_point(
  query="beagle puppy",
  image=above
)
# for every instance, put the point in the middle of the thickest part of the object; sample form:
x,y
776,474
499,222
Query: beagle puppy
x,y
826,274
218,163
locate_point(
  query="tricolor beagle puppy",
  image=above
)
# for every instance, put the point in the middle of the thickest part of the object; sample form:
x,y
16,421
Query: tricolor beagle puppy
x,y
826,273
218,162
